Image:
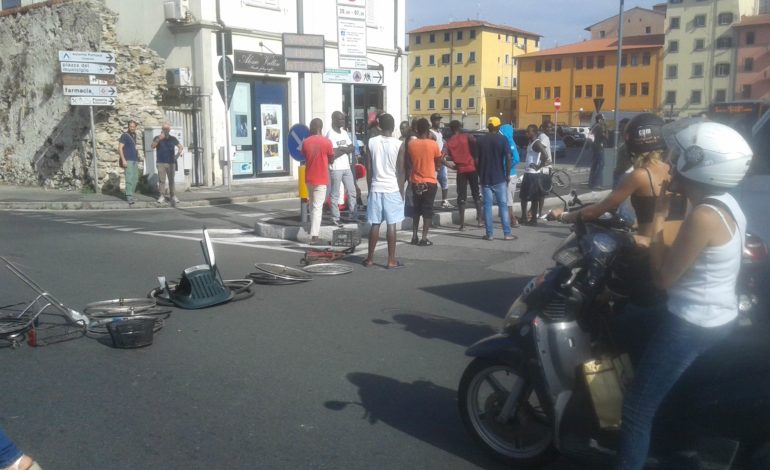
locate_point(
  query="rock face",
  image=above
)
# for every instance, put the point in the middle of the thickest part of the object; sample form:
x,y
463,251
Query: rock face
x,y
45,141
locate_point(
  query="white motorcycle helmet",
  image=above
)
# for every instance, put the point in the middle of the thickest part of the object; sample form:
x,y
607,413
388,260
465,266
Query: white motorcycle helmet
x,y
706,152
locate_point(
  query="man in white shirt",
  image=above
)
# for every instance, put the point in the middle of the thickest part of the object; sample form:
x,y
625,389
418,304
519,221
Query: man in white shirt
x,y
441,175
339,169
386,200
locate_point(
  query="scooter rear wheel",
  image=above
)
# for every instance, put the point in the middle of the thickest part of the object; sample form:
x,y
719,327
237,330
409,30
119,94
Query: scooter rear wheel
x,y
525,437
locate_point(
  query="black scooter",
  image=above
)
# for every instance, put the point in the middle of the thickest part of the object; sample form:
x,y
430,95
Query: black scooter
x,y
525,400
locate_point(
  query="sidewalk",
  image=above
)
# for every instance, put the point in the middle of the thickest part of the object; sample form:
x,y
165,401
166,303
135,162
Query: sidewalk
x,y
29,198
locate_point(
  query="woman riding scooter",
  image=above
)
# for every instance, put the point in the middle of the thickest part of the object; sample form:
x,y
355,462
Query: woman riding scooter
x,y
646,148
698,272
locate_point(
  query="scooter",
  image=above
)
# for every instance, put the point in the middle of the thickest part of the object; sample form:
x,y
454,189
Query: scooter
x,y
524,399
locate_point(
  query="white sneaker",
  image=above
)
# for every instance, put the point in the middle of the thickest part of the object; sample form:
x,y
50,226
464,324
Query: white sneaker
x,y
176,200
161,200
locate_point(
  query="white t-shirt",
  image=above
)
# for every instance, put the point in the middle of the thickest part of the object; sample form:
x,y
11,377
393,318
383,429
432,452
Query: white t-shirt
x,y
340,139
439,138
384,154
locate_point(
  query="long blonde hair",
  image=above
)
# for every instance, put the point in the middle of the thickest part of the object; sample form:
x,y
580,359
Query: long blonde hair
x,y
645,159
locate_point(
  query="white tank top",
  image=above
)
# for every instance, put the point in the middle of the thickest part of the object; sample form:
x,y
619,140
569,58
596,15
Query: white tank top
x,y
384,152
705,294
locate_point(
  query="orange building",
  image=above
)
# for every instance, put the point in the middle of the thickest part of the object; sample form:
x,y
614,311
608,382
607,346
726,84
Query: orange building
x,y
579,73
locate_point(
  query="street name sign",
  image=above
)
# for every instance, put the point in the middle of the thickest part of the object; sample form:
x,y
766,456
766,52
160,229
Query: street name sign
x,y
88,80
90,90
354,76
87,56
87,68
92,101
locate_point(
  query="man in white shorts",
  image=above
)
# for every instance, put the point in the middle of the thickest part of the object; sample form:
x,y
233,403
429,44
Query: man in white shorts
x,y
386,200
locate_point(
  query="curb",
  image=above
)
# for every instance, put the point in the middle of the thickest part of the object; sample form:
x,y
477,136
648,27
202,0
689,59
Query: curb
x,y
300,233
122,205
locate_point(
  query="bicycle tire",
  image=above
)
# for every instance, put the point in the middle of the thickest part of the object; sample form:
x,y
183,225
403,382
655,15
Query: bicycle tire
x,y
268,279
98,328
119,306
561,182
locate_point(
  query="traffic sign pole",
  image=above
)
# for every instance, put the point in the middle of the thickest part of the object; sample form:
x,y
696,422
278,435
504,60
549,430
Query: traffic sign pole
x,y
93,149
557,107
227,116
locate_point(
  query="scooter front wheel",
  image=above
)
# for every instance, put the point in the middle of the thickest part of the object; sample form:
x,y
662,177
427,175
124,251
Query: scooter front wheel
x,y
503,412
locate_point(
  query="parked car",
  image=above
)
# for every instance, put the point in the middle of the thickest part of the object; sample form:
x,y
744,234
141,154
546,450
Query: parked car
x,y
571,137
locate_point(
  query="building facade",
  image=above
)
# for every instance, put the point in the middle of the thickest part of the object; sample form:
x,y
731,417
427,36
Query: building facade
x,y
752,39
636,22
700,61
266,99
466,71
578,74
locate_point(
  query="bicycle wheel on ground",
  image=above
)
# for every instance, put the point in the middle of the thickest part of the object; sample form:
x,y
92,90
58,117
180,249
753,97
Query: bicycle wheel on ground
x,y
561,182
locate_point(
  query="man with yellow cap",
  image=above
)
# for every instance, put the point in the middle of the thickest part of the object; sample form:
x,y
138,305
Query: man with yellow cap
x,y
494,162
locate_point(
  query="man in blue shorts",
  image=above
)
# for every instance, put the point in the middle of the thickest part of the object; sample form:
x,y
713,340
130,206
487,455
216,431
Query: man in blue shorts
x,y
386,191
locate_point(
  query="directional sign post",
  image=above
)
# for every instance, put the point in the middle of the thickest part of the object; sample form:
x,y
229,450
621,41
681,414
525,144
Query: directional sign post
x,y
88,68
354,76
89,91
92,101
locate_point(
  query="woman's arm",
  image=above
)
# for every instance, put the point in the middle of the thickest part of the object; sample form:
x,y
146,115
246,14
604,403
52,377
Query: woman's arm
x,y
626,188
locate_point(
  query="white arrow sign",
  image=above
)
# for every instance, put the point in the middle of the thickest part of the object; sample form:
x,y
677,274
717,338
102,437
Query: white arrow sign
x,y
91,101
87,56
87,68
90,90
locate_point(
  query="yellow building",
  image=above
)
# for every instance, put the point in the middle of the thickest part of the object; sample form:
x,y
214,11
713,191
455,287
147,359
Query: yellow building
x,y
466,70
580,73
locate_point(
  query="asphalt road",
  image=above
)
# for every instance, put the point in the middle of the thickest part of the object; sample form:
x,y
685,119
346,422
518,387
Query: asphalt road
x,y
357,371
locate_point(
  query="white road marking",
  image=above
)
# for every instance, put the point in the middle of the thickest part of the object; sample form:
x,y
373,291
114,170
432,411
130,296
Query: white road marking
x,y
84,222
128,229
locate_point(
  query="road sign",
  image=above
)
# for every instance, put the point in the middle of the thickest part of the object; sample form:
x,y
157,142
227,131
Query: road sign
x,y
225,67
92,101
88,80
354,76
297,134
90,90
87,68
87,56
598,102
230,91
557,104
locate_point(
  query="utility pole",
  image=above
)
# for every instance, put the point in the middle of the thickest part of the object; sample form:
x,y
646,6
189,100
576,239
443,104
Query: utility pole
x,y
617,77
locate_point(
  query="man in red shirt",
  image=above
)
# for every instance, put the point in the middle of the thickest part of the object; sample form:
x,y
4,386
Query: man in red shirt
x,y
318,152
458,154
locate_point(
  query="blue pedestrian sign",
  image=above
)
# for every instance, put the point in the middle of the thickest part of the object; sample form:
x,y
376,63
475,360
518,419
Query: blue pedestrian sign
x,y
297,134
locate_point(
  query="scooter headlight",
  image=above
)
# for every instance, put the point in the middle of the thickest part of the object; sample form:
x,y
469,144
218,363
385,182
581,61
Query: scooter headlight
x,y
515,312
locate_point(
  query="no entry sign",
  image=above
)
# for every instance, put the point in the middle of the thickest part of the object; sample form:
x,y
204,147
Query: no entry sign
x,y
557,104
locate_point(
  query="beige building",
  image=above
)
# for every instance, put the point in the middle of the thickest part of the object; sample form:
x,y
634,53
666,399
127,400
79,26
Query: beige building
x,y
699,67
636,22
466,70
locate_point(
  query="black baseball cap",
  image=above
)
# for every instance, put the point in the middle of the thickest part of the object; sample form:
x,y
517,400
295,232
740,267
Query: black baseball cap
x,y
435,117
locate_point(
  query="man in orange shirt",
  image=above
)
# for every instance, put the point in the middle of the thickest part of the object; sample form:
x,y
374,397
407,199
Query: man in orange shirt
x,y
318,151
425,158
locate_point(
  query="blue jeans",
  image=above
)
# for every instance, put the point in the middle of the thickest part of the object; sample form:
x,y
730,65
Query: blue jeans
x,y
9,453
500,192
673,348
441,176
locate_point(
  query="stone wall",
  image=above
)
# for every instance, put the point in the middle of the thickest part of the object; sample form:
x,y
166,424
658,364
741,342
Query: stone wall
x,y
45,141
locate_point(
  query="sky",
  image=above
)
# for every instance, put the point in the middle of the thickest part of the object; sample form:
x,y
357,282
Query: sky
x,y
560,22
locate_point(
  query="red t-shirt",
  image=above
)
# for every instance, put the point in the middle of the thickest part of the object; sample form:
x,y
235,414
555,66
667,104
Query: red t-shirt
x,y
317,149
459,148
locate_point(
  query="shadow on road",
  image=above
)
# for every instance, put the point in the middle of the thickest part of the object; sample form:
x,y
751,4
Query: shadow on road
x,y
492,296
420,409
429,326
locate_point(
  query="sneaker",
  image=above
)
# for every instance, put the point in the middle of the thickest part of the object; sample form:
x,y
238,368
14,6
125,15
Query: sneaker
x,y
176,200
161,200
337,222
446,205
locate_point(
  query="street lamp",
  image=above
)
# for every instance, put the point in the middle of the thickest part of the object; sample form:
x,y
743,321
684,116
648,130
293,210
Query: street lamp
x,y
462,119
